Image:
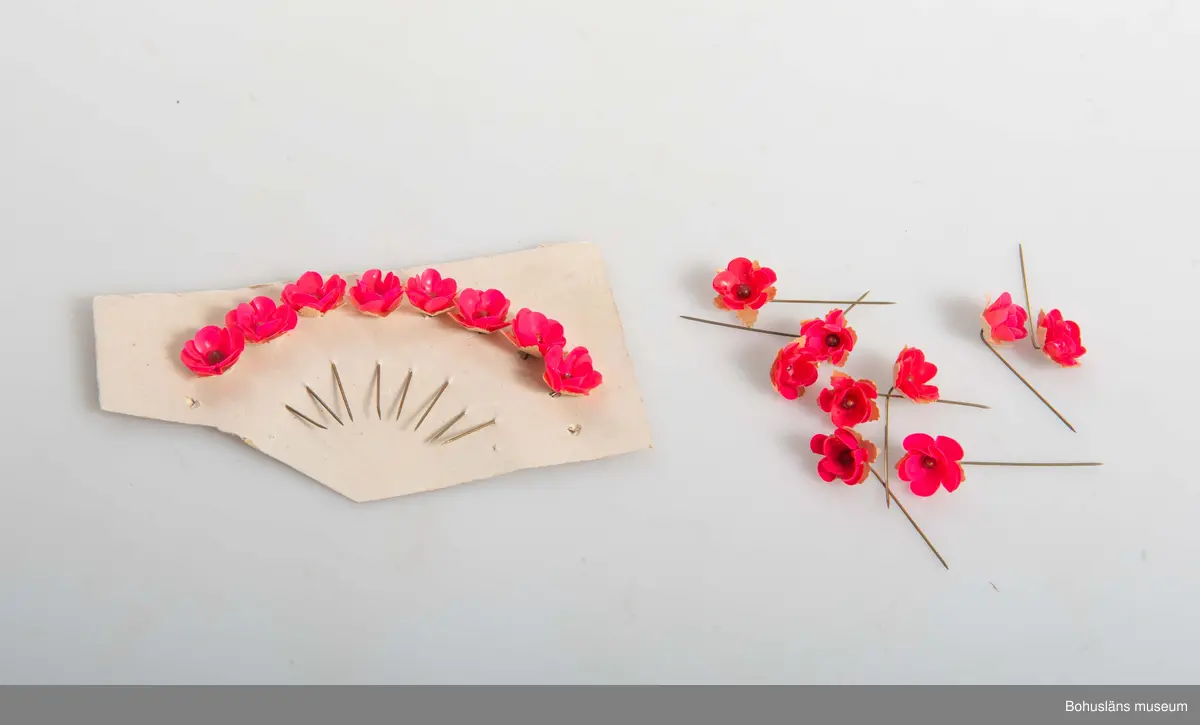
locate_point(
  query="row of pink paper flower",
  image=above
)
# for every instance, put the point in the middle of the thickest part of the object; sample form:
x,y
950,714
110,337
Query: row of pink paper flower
x,y
214,350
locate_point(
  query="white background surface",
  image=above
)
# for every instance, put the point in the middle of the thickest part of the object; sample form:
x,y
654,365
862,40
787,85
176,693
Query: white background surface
x,y
905,147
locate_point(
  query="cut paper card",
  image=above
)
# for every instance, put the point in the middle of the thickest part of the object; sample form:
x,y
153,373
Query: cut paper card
x,y
379,449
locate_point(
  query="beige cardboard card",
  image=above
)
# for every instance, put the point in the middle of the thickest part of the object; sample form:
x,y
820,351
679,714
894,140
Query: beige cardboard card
x,y
138,339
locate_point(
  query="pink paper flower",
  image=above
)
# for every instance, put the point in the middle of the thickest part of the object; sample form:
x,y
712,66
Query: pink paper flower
x,y
844,455
829,339
312,295
911,376
572,373
213,350
481,311
1059,338
376,294
1003,321
928,464
743,287
534,333
261,320
794,370
849,401
430,293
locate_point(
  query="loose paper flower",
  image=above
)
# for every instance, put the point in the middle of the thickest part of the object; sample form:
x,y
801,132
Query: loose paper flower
x,y
912,374
1059,338
829,339
213,350
430,293
794,370
481,311
849,401
744,287
261,320
312,295
570,373
534,333
844,455
1003,321
376,294
929,463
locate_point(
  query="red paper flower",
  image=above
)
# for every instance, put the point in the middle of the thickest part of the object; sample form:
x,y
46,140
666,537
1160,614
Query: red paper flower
x,y
213,350
794,370
849,401
911,375
376,294
311,295
845,455
1059,338
744,287
261,320
829,339
481,311
1003,321
431,294
572,373
930,463
534,333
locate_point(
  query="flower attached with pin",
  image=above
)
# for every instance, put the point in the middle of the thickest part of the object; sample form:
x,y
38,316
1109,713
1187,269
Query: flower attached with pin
x,y
485,311
911,375
849,401
430,293
533,333
570,373
261,320
213,350
794,370
929,464
377,294
1059,338
1004,321
829,339
845,455
312,295
743,287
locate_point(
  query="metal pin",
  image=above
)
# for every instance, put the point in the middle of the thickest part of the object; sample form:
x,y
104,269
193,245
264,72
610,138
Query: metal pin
x,y
832,302
432,403
338,379
469,431
890,394
1010,463
1025,281
323,404
555,394
404,393
303,417
378,386
740,327
441,431
856,302
910,520
1023,380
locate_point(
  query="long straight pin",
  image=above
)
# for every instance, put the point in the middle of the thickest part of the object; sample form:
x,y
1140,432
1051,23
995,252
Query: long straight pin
x,y
740,327
856,302
1023,380
1030,465
1025,281
832,302
469,431
943,401
910,520
432,403
404,393
338,379
441,431
378,386
312,394
303,417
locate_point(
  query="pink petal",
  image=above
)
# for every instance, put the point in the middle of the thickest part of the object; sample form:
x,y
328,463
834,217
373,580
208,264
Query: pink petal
x,y
950,448
917,442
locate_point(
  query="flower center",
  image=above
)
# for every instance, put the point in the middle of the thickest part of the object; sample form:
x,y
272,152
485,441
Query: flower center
x,y
214,356
480,314
568,376
846,458
849,403
832,340
928,462
742,291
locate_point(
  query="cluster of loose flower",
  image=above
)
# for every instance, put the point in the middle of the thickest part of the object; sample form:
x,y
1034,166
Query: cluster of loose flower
x,y
1057,337
214,350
